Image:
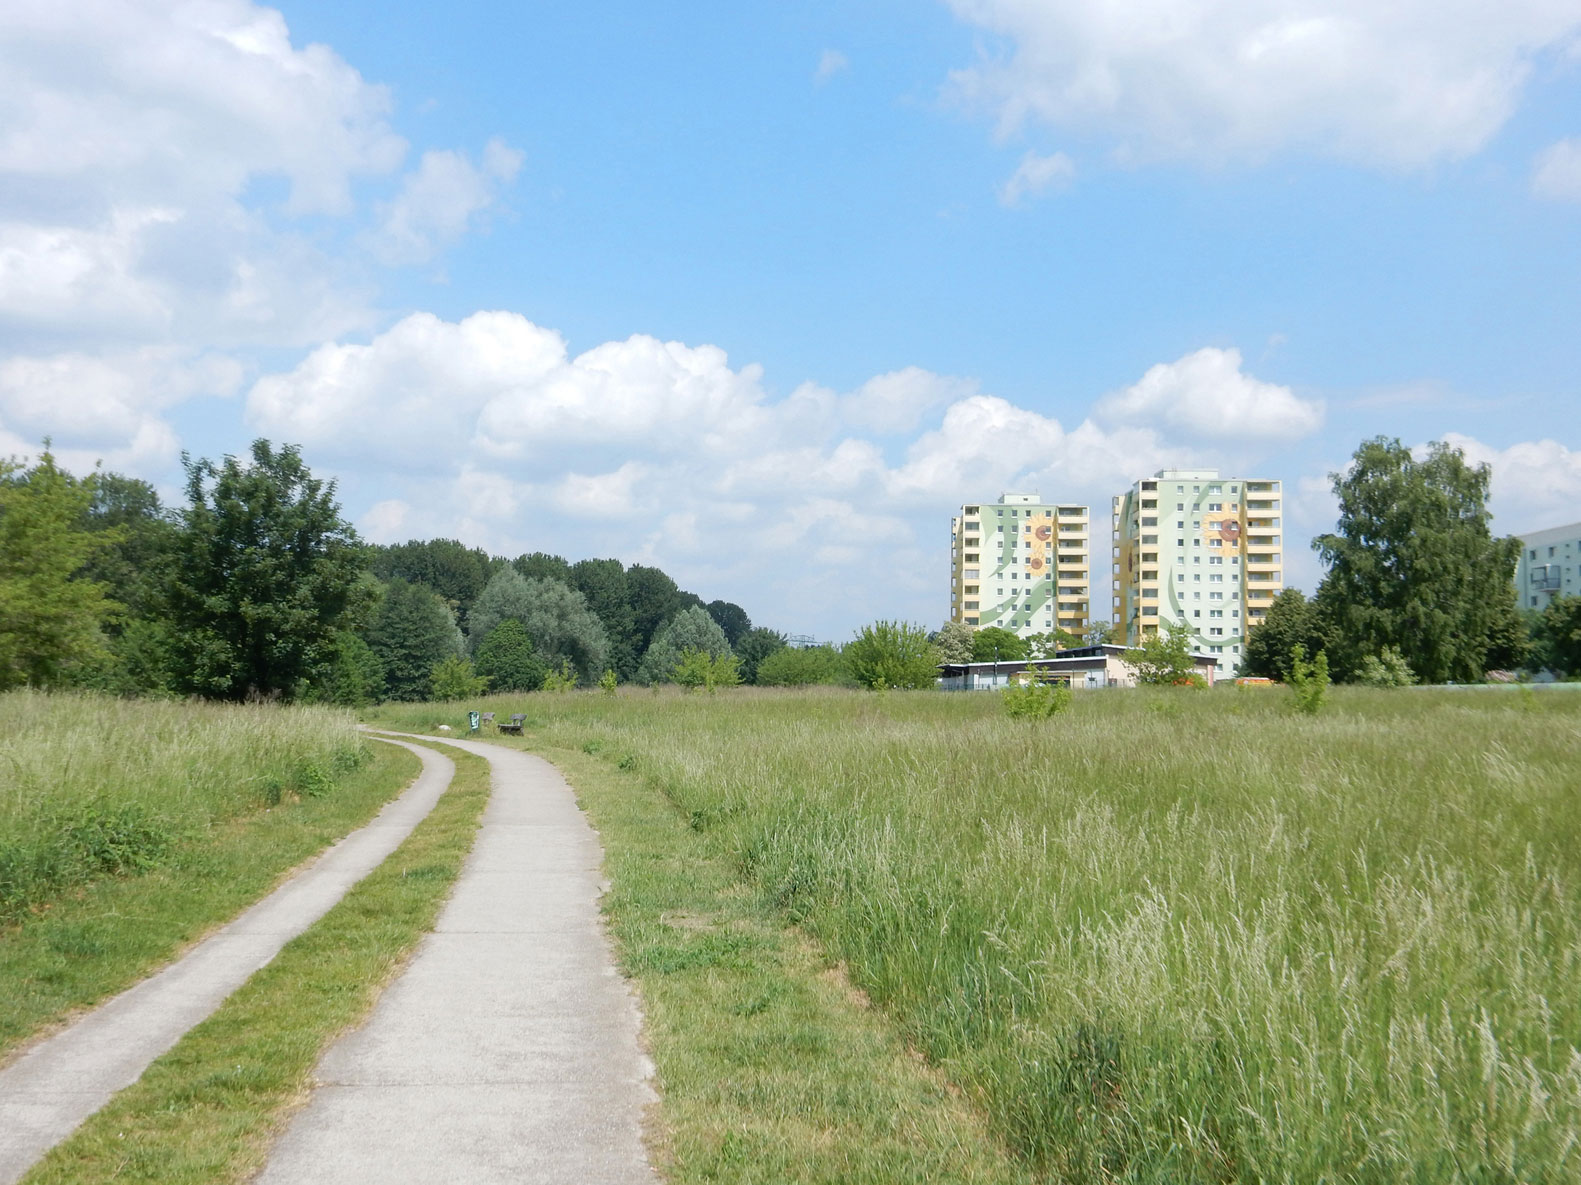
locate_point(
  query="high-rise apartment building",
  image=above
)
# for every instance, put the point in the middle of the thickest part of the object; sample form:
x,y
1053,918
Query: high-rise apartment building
x,y
1549,567
1191,546
1021,563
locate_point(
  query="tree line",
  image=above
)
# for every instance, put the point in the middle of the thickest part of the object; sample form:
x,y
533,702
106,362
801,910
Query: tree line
x,y
257,588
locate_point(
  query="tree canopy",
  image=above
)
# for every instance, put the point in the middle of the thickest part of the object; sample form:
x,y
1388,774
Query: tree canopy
x,y
732,618
954,641
412,632
453,570
507,659
1291,621
266,575
1412,563
690,629
996,644
555,615
755,646
892,654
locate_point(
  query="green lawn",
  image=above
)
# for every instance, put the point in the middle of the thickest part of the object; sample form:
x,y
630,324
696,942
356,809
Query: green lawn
x,y
1163,937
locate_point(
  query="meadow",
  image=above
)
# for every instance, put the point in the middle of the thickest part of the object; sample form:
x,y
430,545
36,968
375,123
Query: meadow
x,y
1174,936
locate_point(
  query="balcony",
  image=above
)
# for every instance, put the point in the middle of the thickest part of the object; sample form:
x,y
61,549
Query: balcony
x,y
1261,504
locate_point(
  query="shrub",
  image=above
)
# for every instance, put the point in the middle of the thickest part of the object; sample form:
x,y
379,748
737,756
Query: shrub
x,y
563,679
1309,680
793,667
454,678
892,654
608,681
507,657
1035,699
1385,669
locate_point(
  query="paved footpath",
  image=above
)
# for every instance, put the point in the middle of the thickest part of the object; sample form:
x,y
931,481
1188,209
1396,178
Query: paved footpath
x,y
508,1049
48,1091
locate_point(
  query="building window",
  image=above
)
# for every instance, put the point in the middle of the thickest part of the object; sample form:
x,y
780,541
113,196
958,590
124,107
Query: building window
x,y
1216,632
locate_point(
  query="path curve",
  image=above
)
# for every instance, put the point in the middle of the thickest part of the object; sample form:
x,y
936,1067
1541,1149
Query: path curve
x,y
508,1049
48,1091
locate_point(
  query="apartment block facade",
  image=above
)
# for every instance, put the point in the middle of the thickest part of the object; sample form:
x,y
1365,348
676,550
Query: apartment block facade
x,y
1022,564
1191,546
1549,567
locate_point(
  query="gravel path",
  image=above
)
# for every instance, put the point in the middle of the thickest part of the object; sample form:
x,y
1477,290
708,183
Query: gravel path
x,y
48,1091
508,1049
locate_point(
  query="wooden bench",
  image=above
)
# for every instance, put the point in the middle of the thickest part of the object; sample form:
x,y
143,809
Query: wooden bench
x,y
486,719
514,728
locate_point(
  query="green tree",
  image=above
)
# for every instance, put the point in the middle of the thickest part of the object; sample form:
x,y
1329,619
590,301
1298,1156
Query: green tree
x,y
996,644
755,646
452,569
954,641
412,632
507,658
540,565
266,576
796,667
351,675
1049,644
1036,698
453,678
1412,563
51,614
1292,621
690,629
1103,633
558,621
654,600
1164,659
1388,669
732,618
1556,637
892,654
603,583
1308,680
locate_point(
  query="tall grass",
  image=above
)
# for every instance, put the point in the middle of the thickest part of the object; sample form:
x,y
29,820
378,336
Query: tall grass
x,y
1177,936
92,786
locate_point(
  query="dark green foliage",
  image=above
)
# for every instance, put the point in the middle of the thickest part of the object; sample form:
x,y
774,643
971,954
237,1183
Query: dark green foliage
x,y
1292,621
557,618
1556,637
892,654
453,570
96,840
1413,565
690,629
996,644
266,576
507,659
654,600
352,675
756,645
1102,633
792,667
603,584
412,632
732,619
540,565
51,613
136,566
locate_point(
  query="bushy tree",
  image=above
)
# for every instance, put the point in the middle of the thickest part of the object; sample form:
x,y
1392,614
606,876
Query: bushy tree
x,y
795,667
1291,621
1103,633
755,646
1309,681
731,618
557,618
1049,644
51,614
351,675
1413,564
506,657
1164,659
1388,669
655,599
1036,698
540,565
412,632
892,654
452,569
690,629
996,644
696,669
603,584
954,641
266,576
1556,637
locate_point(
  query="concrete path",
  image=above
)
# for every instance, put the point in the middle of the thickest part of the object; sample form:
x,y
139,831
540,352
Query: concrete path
x,y
58,1083
507,1051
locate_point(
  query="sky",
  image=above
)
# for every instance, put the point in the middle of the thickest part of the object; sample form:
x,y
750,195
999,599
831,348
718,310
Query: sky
x,y
762,293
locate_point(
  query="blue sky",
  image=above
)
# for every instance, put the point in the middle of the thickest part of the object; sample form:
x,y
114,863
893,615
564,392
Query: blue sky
x,y
758,293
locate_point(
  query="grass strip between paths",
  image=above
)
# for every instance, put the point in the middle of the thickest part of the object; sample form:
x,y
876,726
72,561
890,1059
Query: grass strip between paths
x,y
208,1110
106,936
771,1067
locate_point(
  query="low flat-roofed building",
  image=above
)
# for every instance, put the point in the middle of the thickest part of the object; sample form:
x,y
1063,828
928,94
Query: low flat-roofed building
x,y
1549,567
1086,667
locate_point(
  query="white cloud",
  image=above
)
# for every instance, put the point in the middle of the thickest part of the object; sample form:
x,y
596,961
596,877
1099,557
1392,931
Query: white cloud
x,y
1036,175
1399,84
1536,483
383,521
1206,395
897,402
440,202
830,63
1557,172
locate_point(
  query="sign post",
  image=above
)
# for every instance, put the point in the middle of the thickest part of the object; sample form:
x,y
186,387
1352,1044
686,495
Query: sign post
x,y
472,721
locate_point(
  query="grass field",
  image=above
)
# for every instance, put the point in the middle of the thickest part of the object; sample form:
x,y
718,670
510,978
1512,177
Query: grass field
x,y
129,828
1168,937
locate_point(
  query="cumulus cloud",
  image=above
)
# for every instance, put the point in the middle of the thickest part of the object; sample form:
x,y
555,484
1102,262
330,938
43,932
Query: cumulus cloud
x,y
830,63
1206,395
1400,85
1037,175
1557,172
1536,483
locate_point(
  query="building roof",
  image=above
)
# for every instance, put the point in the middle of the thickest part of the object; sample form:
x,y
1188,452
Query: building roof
x,y
1084,658
1553,534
